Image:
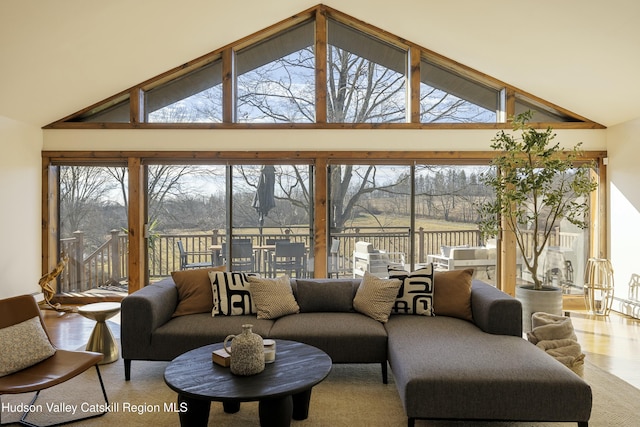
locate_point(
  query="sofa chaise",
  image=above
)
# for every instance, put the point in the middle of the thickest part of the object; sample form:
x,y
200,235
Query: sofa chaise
x,y
466,361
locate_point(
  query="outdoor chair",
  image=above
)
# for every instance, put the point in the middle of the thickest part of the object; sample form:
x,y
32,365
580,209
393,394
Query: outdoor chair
x,y
289,258
336,262
184,256
242,256
35,373
271,241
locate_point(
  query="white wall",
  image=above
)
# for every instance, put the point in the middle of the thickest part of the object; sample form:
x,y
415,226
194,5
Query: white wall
x,y
291,139
20,216
624,202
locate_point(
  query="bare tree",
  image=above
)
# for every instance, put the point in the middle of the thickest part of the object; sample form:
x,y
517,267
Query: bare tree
x,y
84,199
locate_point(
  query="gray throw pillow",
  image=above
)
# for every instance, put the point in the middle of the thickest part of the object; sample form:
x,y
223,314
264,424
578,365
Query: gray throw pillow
x,y
332,296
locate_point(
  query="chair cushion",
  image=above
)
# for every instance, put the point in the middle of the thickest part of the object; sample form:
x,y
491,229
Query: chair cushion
x,y
23,344
452,293
375,297
194,290
273,297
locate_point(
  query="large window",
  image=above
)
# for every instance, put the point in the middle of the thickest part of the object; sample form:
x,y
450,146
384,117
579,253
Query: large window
x,y
366,78
370,217
276,78
408,214
446,97
193,98
192,219
320,66
92,227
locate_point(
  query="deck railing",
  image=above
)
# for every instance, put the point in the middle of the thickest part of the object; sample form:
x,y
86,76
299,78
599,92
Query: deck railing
x,y
108,264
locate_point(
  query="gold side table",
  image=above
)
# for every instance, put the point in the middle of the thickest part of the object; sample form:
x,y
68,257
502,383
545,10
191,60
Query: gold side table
x,y
102,340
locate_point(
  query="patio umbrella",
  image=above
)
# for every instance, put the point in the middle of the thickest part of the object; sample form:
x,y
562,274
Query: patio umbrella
x,y
263,200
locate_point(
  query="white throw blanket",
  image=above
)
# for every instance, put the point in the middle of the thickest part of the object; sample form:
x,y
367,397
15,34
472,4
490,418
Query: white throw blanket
x,y
555,335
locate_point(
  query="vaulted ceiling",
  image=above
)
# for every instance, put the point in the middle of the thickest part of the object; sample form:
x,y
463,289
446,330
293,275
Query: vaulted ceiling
x,y
57,57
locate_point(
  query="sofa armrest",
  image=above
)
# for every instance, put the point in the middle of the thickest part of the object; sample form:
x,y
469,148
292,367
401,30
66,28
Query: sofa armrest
x,y
494,311
143,312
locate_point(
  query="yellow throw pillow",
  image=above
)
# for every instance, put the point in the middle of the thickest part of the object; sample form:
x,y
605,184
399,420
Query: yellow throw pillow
x,y
194,290
452,293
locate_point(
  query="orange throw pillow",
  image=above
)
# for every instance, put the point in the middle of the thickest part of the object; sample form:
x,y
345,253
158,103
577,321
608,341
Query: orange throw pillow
x,y
194,290
452,293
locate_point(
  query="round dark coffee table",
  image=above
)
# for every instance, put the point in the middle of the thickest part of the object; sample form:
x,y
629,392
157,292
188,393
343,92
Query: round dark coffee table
x,y
283,389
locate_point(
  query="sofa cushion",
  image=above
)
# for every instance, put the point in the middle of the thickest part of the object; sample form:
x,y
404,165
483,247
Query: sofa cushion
x,y
320,296
194,290
23,344
452,293
273,297
416,293
231,295
375,297
345,337
184,333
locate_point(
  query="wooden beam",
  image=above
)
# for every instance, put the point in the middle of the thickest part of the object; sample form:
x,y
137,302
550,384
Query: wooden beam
x,y
321,66
601,209
137,219
49,209
136,103
321,212
228,86
222,157
414,84
510,107
507,262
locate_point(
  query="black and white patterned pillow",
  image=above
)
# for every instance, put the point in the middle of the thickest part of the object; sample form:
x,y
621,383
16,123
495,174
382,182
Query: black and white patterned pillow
x,y
416,292
231,294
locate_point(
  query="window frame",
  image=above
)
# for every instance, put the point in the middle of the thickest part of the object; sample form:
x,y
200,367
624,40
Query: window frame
x,y
321,159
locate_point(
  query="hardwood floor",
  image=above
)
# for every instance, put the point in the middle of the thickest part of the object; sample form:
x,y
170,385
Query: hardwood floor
x,y
610,342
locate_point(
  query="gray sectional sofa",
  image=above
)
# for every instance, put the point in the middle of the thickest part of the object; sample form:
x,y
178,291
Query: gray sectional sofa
x,y
445,368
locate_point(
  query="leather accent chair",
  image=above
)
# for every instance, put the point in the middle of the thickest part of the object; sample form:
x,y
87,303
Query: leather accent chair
x,y
60,367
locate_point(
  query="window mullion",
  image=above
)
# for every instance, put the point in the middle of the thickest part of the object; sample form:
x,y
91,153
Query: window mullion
x,y
321,66
229,93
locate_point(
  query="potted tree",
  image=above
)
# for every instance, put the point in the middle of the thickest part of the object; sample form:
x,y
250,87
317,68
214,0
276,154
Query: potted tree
x,y
537,184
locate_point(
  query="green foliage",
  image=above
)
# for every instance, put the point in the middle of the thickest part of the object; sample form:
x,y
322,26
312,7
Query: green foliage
x,y
536,184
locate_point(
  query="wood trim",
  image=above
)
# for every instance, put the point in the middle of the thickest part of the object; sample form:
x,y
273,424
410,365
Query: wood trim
x,y
320,225
602,218
510,105
137,242
279,126
136,99
321,66
228,86
213,157
49,210
414,85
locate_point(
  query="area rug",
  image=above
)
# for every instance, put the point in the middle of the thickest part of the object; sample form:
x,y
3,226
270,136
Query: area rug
x,y
352,395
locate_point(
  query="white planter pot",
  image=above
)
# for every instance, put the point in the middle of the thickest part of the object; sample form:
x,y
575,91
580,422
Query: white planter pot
x,y
547,300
